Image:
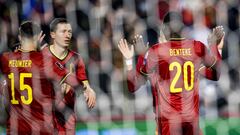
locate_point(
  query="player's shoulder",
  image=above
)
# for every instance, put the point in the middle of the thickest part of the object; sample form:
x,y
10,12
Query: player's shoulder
x,y
193,43
155,47
3,56
9,54
46,50
198,45
158,46
199,48
74,54
197,42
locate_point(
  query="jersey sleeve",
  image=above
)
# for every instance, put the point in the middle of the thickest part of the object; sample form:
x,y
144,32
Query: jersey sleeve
x,y
207,59
210,73
211,61
2,63
150,62
81,70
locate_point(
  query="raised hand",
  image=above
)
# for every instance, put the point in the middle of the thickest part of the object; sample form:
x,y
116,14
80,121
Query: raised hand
x,y
220,45
138,42
216,37
219,33
40,40
41,37
126,51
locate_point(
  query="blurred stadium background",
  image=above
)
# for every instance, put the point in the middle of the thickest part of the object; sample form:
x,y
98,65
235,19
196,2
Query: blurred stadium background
x,y
98,25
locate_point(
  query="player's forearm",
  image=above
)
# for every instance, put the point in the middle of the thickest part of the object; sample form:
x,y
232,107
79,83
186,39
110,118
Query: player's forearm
x,y
73,80
209,73
134,80
215,72
216,52
212,73
131,74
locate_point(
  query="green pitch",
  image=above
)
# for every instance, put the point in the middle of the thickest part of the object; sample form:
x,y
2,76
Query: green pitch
x,y
230,126
219,126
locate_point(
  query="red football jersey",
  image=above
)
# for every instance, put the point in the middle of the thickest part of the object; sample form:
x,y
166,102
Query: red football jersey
x,y
135,79
177,64
29,77
72,59
65,116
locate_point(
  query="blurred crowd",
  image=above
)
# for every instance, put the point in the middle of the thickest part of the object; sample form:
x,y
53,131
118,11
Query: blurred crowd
x,y
98,25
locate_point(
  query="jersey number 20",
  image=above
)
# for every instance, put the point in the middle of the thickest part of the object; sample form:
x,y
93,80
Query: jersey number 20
x,y
177,66
23,87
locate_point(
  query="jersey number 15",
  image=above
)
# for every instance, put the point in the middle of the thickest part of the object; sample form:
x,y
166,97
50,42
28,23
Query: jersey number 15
x,y
23,87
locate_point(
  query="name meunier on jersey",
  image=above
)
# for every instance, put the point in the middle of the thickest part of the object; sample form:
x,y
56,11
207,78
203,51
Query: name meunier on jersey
x,y
180,52
19,63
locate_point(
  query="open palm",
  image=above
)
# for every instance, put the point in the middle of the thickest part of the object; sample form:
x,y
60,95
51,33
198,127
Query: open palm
x,y
126,51
217,37
139,44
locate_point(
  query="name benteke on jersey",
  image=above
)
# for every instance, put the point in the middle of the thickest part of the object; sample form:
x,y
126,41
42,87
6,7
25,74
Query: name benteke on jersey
x,y
20,63
180,52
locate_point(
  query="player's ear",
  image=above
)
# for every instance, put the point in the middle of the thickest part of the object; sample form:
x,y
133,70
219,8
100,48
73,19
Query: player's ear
x,y
52,34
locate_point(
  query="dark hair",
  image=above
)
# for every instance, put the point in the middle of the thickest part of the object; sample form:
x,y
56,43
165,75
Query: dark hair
x,y
174,21
29,29
152,35
55,22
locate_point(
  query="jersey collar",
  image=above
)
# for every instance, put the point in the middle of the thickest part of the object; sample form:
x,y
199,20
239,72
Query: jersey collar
x,y
63,57
176,39
21,50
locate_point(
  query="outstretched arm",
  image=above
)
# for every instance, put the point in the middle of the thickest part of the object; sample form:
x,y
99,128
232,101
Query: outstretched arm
x,y
134,78
127,52
89,93
216,37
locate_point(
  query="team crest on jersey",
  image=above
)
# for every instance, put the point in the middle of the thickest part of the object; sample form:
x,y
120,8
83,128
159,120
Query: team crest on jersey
x,y
59,65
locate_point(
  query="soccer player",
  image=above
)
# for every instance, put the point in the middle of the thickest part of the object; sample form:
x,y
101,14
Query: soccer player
x,y
61,33
138,79
29,77
135,79
176,64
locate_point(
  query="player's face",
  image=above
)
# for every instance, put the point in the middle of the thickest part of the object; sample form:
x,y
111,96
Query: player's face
x,y
63,34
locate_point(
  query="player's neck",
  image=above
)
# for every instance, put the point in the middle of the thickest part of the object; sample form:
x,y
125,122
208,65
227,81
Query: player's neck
x,y
58,51
28,45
